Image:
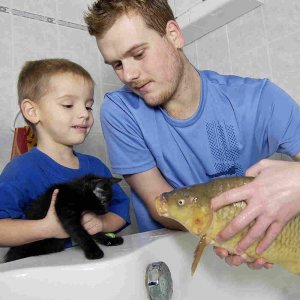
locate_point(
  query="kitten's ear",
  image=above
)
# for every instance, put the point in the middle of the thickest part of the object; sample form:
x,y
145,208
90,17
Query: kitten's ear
x,y
115,180
102,181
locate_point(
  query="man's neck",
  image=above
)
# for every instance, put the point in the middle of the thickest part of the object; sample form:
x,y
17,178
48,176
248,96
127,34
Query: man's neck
x,y
186,100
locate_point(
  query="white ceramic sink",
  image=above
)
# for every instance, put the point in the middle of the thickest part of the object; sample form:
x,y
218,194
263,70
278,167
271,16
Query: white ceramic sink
x,y
121,274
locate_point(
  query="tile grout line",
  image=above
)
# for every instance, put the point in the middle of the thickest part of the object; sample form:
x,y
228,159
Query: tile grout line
x,y
41,18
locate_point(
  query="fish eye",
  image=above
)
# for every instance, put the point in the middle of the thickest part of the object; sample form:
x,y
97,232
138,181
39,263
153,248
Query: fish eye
x,y
181,202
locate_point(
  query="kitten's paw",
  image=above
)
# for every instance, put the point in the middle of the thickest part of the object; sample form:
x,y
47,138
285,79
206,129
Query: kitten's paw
x,y
95,254
114,241
108,239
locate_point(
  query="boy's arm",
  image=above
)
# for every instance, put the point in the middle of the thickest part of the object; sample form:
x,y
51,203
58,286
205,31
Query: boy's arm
x,y
15,232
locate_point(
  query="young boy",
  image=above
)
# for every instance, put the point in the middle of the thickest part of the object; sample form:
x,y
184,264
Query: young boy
x,y
56,99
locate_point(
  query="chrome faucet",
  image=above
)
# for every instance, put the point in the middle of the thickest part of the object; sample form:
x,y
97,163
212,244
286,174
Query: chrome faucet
x,y
159,281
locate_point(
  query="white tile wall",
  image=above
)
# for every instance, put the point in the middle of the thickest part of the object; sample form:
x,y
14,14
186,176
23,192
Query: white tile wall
x,y
6,142
219,56
281,17
6,3
246,33
254,63
182,5
72,11
41,7
191,53
263,43
6,86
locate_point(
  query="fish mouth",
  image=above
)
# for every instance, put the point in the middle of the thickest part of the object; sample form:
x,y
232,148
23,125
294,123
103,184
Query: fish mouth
x,y
161,206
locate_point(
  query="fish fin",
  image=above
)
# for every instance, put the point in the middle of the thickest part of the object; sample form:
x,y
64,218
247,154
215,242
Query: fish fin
x,y
198,253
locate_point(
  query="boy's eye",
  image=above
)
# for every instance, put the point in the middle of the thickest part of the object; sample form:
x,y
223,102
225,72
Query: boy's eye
x,y
89,108
67,105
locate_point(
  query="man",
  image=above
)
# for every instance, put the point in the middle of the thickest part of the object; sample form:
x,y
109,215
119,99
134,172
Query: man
x,y
172,125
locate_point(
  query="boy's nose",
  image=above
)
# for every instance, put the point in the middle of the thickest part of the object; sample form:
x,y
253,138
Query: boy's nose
x,y
83,113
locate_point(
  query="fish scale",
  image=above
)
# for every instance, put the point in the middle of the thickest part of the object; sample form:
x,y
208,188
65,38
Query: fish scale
x,y
194,212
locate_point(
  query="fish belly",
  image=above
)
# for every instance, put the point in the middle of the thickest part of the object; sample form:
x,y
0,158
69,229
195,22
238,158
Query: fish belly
x,y
284,251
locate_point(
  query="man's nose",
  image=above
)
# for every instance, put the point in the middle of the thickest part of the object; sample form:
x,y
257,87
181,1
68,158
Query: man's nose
x,y
130,72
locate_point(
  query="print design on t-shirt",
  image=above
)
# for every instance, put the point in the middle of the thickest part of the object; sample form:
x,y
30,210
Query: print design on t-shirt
x,y
224,149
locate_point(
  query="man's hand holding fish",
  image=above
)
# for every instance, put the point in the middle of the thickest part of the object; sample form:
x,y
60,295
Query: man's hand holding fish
x,y
273,198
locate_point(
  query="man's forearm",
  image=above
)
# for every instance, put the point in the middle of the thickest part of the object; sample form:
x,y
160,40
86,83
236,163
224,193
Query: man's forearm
x,y
166,222
170,224
112,222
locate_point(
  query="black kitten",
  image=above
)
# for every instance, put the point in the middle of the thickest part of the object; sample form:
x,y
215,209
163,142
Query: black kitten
x,y
90,193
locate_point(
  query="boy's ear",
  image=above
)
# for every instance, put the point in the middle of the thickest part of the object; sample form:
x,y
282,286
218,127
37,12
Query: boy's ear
x,y
29,111
174,34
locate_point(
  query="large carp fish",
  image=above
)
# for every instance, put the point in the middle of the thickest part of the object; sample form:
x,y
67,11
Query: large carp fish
x,y
190,206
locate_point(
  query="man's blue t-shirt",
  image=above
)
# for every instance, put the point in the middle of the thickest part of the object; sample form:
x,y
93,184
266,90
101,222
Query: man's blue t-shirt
x,y
239,121
30,175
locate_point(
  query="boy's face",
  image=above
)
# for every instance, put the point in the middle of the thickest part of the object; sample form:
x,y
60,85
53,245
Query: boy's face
x,y
150,65
65,110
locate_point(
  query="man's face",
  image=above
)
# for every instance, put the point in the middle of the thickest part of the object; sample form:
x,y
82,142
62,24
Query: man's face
x,y
150,65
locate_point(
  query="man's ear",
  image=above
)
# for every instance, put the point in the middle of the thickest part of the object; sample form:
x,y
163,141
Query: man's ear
x,y
29,111
174,34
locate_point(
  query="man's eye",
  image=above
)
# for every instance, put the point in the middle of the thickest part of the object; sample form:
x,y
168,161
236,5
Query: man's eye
x,y
117,66
139,55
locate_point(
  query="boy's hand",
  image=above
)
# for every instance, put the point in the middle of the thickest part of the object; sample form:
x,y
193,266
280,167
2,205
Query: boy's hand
x,y
52,223
91,222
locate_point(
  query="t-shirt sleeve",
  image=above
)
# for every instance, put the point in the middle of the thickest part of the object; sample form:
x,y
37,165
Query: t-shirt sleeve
x,y
10,201
120,203
128,152
279,120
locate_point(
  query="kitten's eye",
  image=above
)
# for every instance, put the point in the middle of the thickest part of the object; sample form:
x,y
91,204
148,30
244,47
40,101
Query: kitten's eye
x,y
181,202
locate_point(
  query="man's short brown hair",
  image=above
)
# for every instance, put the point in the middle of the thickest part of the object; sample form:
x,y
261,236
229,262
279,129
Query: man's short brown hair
x,y
103,14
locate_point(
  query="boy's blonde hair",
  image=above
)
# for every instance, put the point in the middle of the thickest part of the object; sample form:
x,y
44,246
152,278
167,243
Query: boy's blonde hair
x,y
103,14
35,75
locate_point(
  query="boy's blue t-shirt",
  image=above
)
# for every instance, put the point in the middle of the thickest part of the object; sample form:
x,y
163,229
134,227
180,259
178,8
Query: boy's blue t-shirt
x,y
239,121
30,175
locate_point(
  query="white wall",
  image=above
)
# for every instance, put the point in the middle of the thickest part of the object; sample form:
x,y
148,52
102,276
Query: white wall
x,y
262,43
